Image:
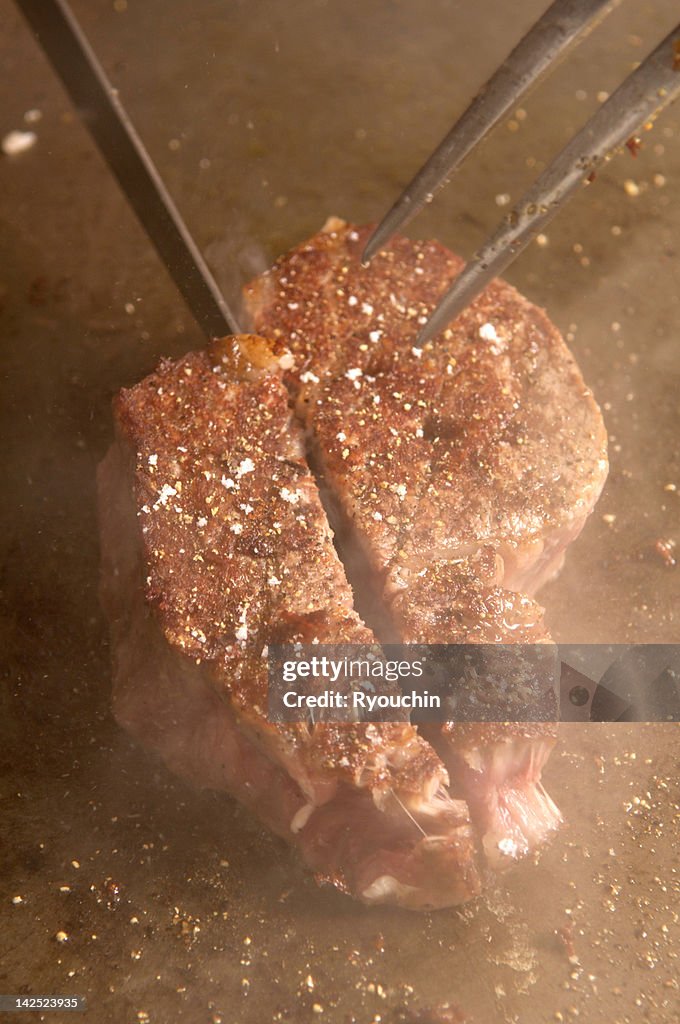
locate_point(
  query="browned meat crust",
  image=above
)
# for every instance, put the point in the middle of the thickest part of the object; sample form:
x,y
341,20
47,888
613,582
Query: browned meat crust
x,y
464,599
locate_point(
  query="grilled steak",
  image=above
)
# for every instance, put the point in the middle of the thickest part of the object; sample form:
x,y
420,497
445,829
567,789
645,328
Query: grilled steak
x,y
486,436
460,471
215,545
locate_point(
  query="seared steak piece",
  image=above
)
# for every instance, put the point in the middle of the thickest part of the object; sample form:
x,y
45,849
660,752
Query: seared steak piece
x,y
215,544
463,469
464,599
460,471
486,436
497,769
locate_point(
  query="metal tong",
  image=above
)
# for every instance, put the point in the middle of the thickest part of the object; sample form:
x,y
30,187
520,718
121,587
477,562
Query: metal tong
x,y
103,113
654,84
650,88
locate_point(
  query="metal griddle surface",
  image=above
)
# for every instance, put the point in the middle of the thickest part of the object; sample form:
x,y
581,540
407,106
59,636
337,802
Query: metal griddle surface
x,y
265,117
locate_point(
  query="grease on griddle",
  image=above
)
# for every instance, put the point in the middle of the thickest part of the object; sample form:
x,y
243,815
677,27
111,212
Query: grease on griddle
x,y
441,1013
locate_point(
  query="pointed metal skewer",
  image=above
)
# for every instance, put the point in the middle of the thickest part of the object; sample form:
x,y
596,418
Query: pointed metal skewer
x,y
564,23
654,85
104,115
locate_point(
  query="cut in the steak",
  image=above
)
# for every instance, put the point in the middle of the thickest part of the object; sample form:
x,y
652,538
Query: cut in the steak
x,y
459,471
215,544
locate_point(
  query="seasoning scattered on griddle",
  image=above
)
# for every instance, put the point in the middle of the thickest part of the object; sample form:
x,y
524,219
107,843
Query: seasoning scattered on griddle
x,y
17,142
665,549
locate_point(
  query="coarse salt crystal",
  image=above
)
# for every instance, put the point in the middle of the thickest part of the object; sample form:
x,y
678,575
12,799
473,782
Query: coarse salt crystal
x,y
308,378
165,492
352,300
366,308
153,460
236,528
375,335
342,436
227,482
354,373
201,522
488,332
242,631
246,466
292,497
